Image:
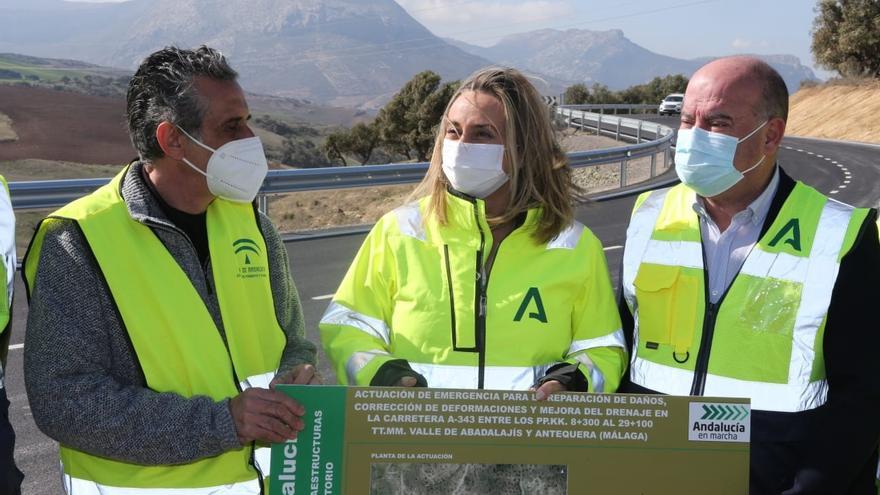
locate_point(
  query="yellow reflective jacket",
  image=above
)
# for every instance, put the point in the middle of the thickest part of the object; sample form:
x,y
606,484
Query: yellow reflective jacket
x,y
417,291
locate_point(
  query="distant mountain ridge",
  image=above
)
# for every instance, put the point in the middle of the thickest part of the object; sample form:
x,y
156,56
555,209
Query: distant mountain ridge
x,y
606,57
332,51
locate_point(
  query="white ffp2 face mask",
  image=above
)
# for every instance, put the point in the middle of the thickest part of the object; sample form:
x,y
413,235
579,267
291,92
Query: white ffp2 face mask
x,y
474,169
704,160
236,170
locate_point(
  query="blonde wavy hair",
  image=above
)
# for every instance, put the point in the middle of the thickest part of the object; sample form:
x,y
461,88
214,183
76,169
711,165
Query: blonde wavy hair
x,y
539,171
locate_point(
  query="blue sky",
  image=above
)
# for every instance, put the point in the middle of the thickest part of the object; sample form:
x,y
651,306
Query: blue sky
x,y
678,28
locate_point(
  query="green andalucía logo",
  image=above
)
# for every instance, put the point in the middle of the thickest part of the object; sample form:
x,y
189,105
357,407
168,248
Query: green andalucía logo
x,y
724,411
248,247
532,299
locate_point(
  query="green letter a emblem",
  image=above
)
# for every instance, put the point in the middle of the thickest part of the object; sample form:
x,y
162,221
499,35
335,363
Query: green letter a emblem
x,y
794,239
540,315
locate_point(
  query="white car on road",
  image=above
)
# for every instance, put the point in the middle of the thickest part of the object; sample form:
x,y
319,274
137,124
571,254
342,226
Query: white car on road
x,y
671,104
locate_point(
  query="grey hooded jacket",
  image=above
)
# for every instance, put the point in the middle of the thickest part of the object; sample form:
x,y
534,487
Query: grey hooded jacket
x,y
85,386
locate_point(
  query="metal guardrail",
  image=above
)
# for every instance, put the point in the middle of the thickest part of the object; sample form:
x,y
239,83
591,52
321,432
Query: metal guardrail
x,y
615,109
652,139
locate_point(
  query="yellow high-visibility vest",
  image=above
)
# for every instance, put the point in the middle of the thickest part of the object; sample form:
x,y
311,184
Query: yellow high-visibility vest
x,y
765,337
176,341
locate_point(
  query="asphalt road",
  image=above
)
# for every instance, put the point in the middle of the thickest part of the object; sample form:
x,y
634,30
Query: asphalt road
x,y
846,171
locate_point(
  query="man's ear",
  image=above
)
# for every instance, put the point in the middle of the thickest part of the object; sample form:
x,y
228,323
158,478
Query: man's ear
x,y
774,135
171,140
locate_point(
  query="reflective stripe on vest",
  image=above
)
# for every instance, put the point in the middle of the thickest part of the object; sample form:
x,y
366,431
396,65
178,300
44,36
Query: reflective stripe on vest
x,y
7,264
156,300
77,486
459,376
767,342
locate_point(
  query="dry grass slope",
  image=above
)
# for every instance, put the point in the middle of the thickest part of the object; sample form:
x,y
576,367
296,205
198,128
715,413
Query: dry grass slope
x,y
848,111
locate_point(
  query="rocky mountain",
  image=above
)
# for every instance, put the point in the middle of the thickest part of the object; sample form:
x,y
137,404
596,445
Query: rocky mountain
x,y
606,57
343,52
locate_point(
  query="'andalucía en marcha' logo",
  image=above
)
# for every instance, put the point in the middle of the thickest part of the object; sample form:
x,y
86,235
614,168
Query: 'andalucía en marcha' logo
x,y
719,422
248,253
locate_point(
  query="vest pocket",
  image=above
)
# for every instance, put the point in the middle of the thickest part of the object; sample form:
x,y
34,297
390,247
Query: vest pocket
x,y
667,304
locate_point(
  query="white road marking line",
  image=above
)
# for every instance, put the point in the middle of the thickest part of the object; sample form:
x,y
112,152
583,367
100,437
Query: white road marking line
x,y
842,187
800,150
810,153
612,248
846,182
834,192
834,162
827,159
839,165
16,346
818,156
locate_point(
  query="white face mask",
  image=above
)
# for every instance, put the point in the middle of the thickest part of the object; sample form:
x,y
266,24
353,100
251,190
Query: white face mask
x,y
235,170
474,169
704,160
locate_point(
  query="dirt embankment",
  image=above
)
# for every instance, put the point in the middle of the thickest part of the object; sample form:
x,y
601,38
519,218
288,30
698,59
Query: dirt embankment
x,y
837,110
57,125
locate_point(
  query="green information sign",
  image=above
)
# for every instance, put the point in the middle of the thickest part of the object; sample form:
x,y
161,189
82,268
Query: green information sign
x,y
414,440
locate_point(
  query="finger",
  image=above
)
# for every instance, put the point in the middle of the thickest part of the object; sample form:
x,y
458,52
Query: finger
x,y
548,388
407,381
287,410
269,429
316,379
305,375
282,379
275,397
273,404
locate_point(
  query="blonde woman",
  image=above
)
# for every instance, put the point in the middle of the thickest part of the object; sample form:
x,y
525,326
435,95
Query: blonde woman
x,y
486,281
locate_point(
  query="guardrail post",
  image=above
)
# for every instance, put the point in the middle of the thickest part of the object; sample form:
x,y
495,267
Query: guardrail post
x,y
617,135
666,158
263,204
599,124
639,133
623,164
653,165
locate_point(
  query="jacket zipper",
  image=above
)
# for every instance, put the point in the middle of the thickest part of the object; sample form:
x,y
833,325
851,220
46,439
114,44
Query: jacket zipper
x,y
480,323
237,381
702,365
710,317
451,297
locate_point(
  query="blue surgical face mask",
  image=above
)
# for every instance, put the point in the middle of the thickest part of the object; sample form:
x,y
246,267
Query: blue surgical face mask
x,y
704,160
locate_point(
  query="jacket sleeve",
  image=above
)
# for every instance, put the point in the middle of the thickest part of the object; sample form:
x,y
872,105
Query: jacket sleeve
x,y
597,339
288,309
84,384
355,329
840,455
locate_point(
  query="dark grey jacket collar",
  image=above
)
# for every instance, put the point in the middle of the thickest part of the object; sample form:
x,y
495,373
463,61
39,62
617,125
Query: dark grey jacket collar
x,y
140,199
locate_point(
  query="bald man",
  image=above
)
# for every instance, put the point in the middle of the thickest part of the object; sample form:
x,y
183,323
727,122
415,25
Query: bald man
x,y
741,282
